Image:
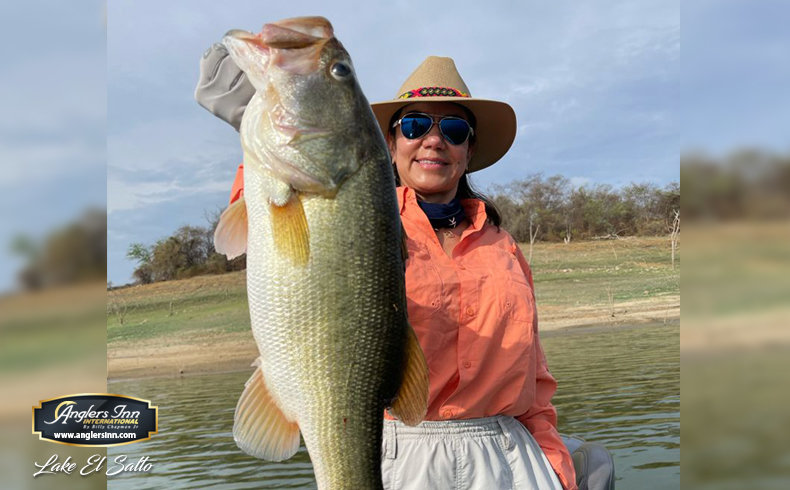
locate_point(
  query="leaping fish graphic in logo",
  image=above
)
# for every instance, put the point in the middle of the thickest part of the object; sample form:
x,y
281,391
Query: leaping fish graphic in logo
x,y
57,410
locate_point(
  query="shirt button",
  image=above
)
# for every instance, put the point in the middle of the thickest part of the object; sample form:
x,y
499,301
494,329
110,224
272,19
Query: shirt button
x,y
447,413
470,311
467,364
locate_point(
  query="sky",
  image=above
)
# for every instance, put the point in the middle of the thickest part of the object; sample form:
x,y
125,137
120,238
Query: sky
x,y
52,129
99,110
735,76
594,87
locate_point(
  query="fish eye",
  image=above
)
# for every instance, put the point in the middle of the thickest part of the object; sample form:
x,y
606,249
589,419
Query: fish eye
x,y
340,70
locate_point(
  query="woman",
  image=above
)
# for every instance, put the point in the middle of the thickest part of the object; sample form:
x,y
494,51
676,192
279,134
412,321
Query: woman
x,y
490,422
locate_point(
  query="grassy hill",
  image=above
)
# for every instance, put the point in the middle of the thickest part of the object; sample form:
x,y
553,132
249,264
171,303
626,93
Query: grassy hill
x,y
603,282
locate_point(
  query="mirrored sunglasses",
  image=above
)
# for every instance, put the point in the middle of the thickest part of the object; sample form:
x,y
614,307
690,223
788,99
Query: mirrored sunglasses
x,y
417,124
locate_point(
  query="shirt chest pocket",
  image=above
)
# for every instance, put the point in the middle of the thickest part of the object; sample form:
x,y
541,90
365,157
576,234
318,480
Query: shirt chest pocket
x,y
507,283
516,297
424,288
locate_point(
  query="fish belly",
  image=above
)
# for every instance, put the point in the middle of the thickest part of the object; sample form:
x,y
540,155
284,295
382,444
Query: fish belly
x,y
331,333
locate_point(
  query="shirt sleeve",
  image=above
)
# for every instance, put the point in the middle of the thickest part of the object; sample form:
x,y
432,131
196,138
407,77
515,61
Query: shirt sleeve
x,y
238,185
541,418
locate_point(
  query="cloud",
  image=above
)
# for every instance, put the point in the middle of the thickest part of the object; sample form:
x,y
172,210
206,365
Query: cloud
x,y
165,160
32,162
593,87
126,196
55,113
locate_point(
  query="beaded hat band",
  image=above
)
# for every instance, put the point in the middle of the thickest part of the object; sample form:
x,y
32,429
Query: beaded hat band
x,y
433,92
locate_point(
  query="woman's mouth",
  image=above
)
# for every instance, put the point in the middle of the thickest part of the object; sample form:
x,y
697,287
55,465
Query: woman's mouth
x,y
430,163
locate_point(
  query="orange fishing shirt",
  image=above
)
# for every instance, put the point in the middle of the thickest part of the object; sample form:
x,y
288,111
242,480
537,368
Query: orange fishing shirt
x,y
475,318
474,315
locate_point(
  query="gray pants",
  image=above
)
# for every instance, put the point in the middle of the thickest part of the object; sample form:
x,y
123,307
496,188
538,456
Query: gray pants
x,y
489,453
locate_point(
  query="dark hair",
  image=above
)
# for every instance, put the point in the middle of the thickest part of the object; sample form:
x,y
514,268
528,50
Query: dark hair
x,y
466,191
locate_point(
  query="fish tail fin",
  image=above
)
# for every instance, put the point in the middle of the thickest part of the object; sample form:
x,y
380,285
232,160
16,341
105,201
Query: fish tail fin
x,y
411,402
260,428
291,235
230,236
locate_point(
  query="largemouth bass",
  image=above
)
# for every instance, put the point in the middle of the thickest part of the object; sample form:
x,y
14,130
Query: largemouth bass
x,y
325,267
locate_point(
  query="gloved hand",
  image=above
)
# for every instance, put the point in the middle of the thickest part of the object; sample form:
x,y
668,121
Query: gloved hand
x,y
223,88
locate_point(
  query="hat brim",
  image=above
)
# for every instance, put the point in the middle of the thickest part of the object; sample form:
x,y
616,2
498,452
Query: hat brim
x,y
495,130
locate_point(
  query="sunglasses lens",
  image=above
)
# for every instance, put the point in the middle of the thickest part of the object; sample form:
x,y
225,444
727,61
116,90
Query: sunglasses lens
x,y
455,130
415,126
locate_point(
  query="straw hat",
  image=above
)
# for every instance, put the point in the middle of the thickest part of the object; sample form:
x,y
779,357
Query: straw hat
x,y
437,80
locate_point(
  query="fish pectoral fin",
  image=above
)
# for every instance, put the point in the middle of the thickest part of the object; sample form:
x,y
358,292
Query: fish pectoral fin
x,y
230,236
260,428
289,226
411,402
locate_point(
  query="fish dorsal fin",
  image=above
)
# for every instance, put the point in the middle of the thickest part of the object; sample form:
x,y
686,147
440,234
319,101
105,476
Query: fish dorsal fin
x,y
260,428
411,403
289,226
230,236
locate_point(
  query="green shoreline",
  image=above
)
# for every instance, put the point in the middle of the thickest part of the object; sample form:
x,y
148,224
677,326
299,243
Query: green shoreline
x,y
201,324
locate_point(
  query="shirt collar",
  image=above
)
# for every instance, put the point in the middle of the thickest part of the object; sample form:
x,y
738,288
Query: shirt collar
x,y
475,209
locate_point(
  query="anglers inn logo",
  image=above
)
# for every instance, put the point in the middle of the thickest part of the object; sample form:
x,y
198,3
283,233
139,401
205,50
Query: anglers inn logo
x,y
95,419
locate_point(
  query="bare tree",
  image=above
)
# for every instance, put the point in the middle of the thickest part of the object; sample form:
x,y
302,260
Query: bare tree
x,y
673,236
532,235
610,295
117,306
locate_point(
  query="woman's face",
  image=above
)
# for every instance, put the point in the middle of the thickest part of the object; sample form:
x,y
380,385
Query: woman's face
x,y
430,165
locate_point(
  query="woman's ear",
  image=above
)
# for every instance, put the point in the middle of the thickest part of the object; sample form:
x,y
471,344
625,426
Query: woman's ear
x,y
391,146
470,151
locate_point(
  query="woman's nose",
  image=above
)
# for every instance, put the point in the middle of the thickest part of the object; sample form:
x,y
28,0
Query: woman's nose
x,y
434,137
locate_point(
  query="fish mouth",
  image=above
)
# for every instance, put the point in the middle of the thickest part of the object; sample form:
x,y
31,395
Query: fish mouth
x,y
296,33
293,45
241,42
246,36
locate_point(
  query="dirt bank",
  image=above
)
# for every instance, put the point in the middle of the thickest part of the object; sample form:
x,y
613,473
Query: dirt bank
x,y
179,356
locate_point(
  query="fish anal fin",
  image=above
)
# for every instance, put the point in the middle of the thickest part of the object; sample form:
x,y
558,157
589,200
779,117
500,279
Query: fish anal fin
x,y
289,226
260,428
411,402
230,236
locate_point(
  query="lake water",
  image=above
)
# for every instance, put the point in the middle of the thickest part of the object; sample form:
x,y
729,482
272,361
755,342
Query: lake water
x,y
617,386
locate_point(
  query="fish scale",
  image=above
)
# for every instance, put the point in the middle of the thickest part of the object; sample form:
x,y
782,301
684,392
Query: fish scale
x,y
324,359
325,269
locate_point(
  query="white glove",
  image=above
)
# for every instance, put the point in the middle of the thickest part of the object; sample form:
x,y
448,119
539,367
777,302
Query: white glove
x,y
223,88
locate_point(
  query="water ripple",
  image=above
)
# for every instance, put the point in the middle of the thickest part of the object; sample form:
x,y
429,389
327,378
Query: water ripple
x,y
619,387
